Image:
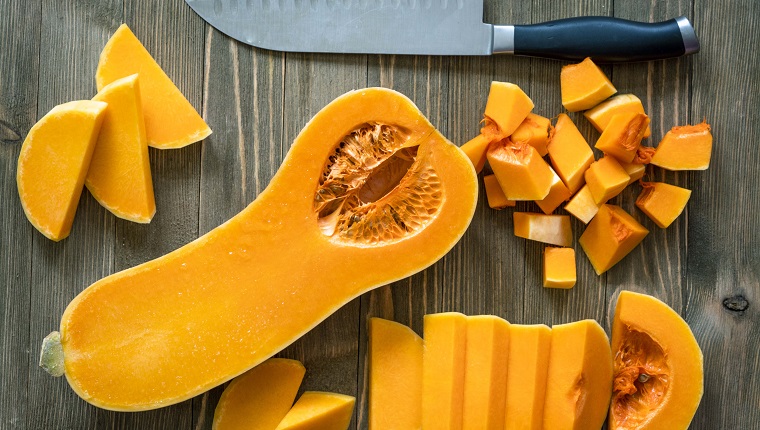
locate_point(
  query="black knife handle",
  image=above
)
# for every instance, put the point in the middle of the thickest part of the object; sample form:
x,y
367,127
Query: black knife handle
x,y
606,39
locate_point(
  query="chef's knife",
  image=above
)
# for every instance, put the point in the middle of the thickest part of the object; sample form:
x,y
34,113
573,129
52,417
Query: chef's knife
x,y
438,27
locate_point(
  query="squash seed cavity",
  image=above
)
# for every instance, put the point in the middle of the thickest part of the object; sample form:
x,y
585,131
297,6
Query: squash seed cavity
x,y
641,379
376,187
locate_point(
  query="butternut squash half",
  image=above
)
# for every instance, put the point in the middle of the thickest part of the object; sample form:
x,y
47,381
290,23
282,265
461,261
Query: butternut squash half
x,y
369,193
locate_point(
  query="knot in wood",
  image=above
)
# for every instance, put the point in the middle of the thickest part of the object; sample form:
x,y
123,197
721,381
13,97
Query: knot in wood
x,y
737,304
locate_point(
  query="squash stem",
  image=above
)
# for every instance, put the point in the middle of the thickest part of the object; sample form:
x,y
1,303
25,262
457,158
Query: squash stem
x,y
51,355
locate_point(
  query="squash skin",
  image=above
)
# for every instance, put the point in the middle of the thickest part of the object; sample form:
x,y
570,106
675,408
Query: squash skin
x,y
231,299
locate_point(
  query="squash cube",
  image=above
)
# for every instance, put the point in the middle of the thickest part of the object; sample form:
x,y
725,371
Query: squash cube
x,y
559,267
485,376
476,149
520,170
610,236
662,202
534,130
443,368
584,85
606,179
686,147
569,152
622,137
635,171
601,115
507,106
317,410
558,193
529,347
395,357
494,193
553,229
582,205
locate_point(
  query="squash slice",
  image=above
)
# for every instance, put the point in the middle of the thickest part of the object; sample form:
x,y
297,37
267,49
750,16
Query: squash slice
x,y
369,193
317,410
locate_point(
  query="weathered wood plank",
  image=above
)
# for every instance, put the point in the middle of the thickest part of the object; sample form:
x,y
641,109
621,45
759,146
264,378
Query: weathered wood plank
x,y
243,104
72,35
18,112
722,288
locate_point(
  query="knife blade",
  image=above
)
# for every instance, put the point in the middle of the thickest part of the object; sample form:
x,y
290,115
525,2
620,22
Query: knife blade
x,y
437,27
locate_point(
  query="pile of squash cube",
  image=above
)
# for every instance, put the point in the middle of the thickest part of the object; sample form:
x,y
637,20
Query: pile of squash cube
x,y
554,166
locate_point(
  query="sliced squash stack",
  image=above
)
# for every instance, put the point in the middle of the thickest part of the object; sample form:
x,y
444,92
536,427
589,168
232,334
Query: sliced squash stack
x,y
531,160
107,152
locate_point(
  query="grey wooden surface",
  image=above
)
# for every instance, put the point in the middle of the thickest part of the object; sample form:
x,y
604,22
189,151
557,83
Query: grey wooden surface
x,y
706,265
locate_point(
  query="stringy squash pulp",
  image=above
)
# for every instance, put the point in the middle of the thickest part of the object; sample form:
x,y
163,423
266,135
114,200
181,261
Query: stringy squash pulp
x,y
369,193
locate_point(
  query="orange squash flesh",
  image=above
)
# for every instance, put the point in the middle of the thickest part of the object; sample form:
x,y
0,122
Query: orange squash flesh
x,y
579,378
53,163
534,130
260,398
236,296
662,202
558,193
507,106
584,85
686,147
443,370
485,378
553,229
119,175
559,268
610,236
526,376
570,153
582,205
606,178
395,389
601,114
635,171
658,370
316,410
476,149
170,120
622,137
521,172
495,195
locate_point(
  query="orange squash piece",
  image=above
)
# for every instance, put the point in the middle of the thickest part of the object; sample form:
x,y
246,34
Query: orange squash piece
x,y
579,379
553,229
476,149
170,120
582,205
236,296
534,130
260,398
635,171
443,370
495,195
606,178
662,202
570,153
658,370
119,174
521,172
686,147
610,236
559,267
507,106
529,347
395,389
316,410
584,85
53,163
558,193
485,378
600,115
622,137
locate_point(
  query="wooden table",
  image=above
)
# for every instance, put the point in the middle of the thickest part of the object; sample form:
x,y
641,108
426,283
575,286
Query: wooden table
x,y
706,265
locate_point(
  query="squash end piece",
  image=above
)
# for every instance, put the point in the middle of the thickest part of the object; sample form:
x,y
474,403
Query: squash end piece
x,y
51,354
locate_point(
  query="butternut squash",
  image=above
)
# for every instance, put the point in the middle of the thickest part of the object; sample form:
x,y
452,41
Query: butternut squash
x,y
662,202
521,172
211,310
622,137
582,205
559,267
170,120
495,195
507,106
606,178
119,174
610,236
476,149
687,147
569,152
558,193
316,410
53,164
443,368
534,130
553,229
584,85
600,115
260,398
526,376
635,171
